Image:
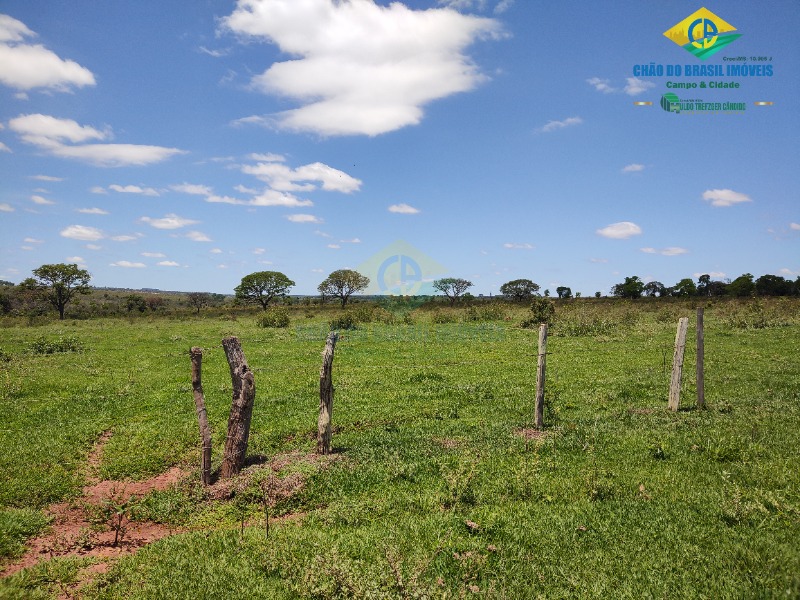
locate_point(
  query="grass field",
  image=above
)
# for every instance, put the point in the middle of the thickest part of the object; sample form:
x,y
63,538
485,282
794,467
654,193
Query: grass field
x,y
433,492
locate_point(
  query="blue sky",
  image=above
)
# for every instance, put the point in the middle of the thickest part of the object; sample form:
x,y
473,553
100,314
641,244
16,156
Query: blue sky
x,y
183,145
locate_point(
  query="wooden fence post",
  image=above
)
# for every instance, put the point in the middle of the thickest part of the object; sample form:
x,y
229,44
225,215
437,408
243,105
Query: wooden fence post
x,y
677,364
326,396
540,370
701,384
244,394
202,417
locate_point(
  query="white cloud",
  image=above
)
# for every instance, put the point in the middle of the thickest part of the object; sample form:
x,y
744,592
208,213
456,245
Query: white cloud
x,y
671,251
794,226
5,207
258,251
601,85
170,221
216,251
126,264
712,274
50,134
93,211
133,189
168,263
403,209
788,272
47,178
334,246
275,198
503,6
83,233
41,200
124,238
30,240
93,247
352,241
360,68
4,148
635,86
300,218
98,190
75,259
620,231
633,168
198,236
245,190
515,246
193,189
556,125
29,66
284,179
599,261
153,255
725,197
266,157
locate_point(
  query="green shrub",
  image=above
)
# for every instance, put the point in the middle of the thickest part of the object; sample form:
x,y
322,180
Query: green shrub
x,y
443,316
274,317
489,312
344,321
62,344
542,311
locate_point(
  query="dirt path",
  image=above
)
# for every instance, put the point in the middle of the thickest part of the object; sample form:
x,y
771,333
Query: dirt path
x,y
71,532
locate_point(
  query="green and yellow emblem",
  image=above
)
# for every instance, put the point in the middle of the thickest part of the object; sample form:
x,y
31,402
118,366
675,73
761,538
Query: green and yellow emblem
x,y
702,33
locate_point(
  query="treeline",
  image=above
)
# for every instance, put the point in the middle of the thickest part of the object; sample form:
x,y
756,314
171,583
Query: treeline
x,y
744,286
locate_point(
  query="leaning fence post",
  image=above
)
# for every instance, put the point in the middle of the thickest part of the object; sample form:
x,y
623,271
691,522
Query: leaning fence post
x,y
701,386
540,369
677,364
326,396
196,355
244,394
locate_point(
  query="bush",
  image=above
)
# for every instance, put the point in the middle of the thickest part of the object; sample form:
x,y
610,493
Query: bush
x,y
63,344
443,316
490,312
344,321
542,311
274,317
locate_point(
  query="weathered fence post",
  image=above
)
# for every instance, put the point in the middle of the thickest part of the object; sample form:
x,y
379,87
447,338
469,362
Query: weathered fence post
x,y
244,394
540,369
701,385
326,396
202,417
677,364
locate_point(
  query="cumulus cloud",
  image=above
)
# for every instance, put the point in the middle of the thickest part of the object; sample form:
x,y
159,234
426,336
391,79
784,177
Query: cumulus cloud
x,y
360,68
66,138
92,211
192,188
6,207
403,209
671,251
794,226
301,218
4,148
154,255
198,236
556,125
168,263
126,264
601,85
635,86
303,179
125,238
133,189
83,233
517,246
620,231
633,168
25,66
41,200
170,221
725,197
47,178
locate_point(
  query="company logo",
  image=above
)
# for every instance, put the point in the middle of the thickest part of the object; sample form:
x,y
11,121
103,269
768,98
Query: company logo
x,y
401,270
702,33
671,103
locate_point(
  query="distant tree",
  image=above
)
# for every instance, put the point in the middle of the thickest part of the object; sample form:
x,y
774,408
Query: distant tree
x,y
452,287
597,294
342,284
703,283
632,287
742,287
155,302
519,290
262,287
774,285
58,284
547,293
564,292
135,302
4,283
685,287
198,300
717,288
654,288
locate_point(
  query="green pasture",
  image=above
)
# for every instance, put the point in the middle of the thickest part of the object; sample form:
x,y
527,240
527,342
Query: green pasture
x,y
432,492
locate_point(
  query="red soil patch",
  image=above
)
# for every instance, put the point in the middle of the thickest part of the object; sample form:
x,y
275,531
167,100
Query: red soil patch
x,y
72,533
